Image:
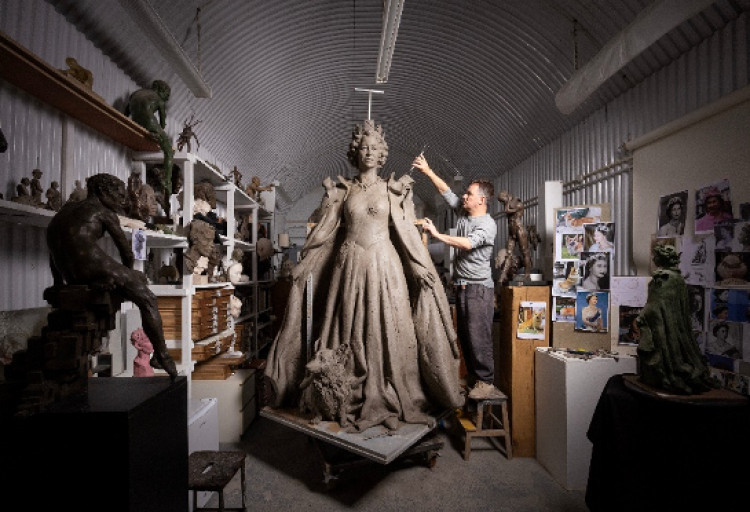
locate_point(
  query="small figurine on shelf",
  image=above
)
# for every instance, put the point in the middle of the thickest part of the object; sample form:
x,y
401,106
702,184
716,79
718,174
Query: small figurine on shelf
x,y
54,197
22,192
141,362
517,235
36,188
235,306
79,73
144,106
78,194
187,133
141,198
254,188
236,176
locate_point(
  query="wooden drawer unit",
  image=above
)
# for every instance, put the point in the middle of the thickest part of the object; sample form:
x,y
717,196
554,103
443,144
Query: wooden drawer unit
x,y
209,313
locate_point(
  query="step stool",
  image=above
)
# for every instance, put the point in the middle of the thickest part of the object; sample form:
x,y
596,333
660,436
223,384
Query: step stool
x,y
494,427
210,470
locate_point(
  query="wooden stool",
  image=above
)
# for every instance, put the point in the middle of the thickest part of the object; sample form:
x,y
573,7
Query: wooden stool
x,y
212,471
494,428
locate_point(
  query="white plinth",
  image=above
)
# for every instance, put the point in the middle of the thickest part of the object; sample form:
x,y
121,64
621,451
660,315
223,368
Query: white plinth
x,y
567,391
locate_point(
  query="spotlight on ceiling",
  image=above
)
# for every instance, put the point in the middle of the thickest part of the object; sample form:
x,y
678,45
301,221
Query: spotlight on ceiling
x,y
391,20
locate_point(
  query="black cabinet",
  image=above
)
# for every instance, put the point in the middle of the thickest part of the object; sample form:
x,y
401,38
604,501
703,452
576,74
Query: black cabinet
x,y
123,448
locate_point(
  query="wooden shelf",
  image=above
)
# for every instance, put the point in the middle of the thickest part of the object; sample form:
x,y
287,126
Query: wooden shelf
x,y
25,70
24,214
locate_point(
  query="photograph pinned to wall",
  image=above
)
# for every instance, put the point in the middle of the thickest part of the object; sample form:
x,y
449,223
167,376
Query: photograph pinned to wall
x,y
625,292
725,236
730,304
697,258
672,214
566,277
739,383
732,269
568,246
599,237
713,204
564,309
596,268
592,311
138,244
725,339
697,303
742,234
532,318
628,331
576,217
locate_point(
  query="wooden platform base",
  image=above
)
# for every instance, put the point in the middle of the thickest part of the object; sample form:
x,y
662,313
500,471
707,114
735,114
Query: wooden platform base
x,y
711,397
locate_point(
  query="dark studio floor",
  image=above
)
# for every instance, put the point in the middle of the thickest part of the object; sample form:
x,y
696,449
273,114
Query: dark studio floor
x,y
285,472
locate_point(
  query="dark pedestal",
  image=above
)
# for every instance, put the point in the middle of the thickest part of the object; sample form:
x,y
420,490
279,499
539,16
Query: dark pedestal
x,y
654,452
124,448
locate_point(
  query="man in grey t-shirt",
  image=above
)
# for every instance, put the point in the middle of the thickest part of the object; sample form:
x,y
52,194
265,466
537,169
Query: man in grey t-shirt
x,y
472,275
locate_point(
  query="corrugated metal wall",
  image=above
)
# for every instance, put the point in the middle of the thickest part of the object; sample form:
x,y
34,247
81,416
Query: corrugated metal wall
x,y
719,65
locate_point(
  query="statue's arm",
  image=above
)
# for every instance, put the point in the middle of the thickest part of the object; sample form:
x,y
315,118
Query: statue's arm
x,y
112,226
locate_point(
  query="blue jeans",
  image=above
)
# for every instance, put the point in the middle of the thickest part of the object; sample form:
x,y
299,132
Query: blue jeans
x,y
475,309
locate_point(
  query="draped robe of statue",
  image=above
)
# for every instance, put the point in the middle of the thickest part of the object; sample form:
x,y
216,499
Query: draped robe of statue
x,y
670,358
377,290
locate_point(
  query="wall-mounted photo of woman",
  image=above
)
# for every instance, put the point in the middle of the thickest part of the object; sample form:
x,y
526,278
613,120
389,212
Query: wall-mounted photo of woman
x,y
600,237
697,296
713,204
592,311
672,212
596,267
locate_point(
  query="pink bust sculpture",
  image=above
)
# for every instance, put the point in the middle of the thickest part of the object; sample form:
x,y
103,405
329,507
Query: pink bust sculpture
x,y
141,366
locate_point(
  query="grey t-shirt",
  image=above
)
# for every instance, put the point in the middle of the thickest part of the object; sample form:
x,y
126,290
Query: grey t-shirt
x,y
473,267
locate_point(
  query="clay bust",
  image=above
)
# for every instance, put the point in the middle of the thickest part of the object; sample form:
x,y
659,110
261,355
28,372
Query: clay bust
x,y
234,272
144,107
77,259
54,198
516,236
378,293
669,356
201,238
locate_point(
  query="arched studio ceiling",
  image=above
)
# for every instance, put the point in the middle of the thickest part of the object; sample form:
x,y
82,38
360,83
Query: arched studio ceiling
x,y
475,80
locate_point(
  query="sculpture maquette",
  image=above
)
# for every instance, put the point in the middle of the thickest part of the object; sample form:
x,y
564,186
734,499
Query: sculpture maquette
x,y
77,259
376,291
670,358
143,107
516,235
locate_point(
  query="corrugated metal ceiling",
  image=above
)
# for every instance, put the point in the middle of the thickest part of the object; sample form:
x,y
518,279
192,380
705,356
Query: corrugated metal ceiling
x,y
475,80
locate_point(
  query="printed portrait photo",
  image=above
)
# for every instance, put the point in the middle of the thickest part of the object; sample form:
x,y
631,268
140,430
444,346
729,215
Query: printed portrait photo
x,y
713,204
629,333
672,214
600,237
596,270
592,311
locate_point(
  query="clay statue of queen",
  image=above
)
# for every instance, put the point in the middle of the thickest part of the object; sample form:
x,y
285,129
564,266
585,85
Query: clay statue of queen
x,y
379,308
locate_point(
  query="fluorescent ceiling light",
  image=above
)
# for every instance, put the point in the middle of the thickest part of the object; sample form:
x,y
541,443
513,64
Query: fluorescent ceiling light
x,y
153,27
391,20
650,25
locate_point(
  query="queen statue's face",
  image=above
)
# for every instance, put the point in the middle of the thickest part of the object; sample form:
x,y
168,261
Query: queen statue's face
x,y
369,152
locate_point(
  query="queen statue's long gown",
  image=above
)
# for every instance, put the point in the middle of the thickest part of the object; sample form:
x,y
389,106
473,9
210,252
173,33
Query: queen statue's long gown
x,y
380,295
